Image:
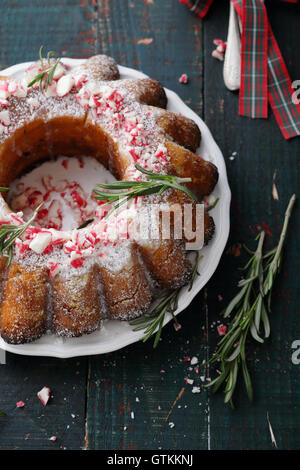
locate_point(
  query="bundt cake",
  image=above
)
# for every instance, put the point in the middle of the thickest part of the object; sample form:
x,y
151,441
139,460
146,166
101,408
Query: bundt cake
x,y
68,281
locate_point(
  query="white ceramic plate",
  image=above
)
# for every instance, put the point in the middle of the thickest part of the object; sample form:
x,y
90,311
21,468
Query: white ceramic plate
x,y
115,334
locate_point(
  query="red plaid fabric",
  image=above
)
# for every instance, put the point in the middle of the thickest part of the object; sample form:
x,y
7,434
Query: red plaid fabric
x,y
253,98
264,76
198,7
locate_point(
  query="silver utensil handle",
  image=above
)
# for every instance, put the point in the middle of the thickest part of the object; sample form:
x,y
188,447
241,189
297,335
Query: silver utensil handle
x,y
232,61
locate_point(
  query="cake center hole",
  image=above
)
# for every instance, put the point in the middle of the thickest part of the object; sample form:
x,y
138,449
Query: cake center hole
x,y
64,186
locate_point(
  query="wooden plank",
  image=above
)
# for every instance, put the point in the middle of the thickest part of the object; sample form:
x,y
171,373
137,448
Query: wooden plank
x,y
260,151
32,426
138,397
168,415
125,28
67,27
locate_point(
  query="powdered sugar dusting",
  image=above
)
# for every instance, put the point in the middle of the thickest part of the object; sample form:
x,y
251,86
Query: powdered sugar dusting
x,y
64,186
93,98
132,127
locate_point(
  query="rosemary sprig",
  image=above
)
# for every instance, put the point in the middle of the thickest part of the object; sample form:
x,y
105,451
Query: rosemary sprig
x,y
45,77
250,315
3,189
2,414
274,264
119,192
153,321
9,233
195,271
213,205
85,223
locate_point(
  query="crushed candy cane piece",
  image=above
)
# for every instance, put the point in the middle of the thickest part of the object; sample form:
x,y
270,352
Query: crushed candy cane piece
x,y
40,242
222,330
4,117
52,438
189,381
44,395
183,78
177,326
217,55
196,390
54,268
219,52
221,45
20,404
59,71
64,85
194,360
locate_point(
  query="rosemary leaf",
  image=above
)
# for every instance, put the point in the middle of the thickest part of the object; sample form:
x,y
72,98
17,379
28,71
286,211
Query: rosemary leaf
x,y
120,192
249,314
9,233
45,77
213,205
85,224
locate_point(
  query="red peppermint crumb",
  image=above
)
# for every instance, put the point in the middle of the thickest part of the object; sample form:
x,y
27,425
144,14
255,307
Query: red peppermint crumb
x,y
65,163
46,195
42,214
187,359
77,262
69,248
53,268
220,298
134,155
217,55
221,44
17,219
59,241
189,381
33,230
183,78
35,198
52,438
78,199
22,248
177,326
20,404
48,250
222,329
161,155
44,395
80,162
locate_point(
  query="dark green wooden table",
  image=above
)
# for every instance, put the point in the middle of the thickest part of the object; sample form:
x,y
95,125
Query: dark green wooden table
x,y
124,400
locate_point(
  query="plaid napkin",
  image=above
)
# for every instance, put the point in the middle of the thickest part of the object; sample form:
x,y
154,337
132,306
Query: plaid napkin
x,y
264,76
